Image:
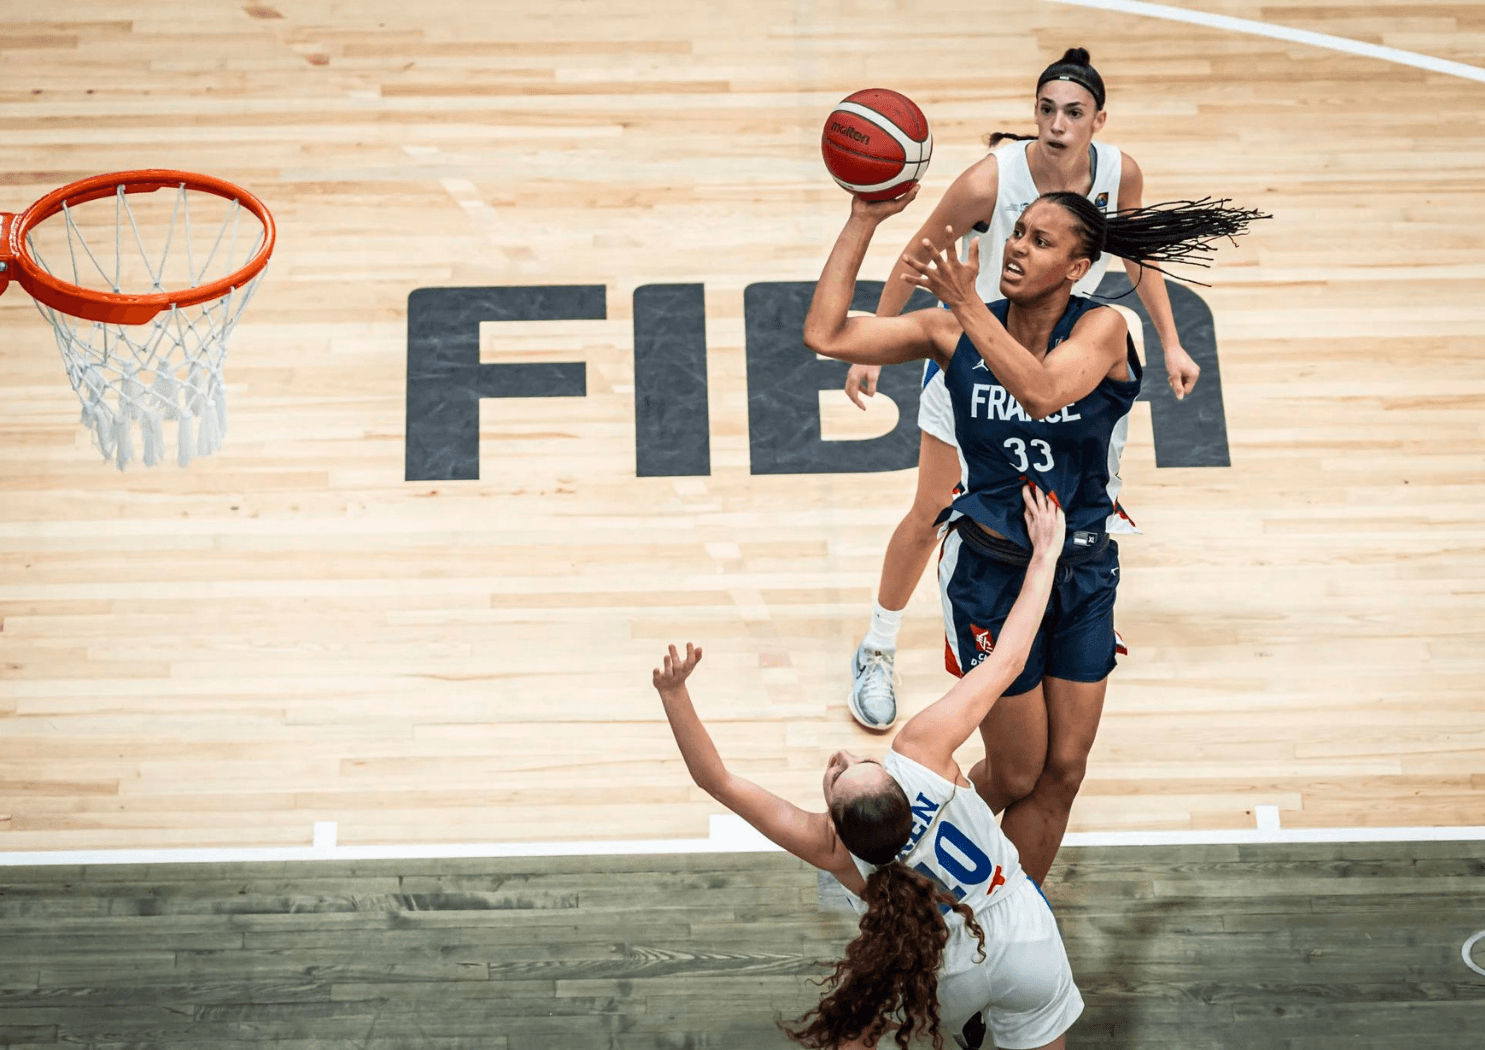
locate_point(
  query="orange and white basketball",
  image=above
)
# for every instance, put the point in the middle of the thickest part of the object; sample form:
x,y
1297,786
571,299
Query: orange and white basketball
x,y
876,144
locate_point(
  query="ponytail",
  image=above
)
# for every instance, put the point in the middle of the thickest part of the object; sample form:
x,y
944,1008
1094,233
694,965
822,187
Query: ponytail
x,y
889,975
995,138
1177,231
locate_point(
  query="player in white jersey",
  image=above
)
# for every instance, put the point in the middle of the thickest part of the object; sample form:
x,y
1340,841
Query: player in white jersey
x,y
986,200
950,924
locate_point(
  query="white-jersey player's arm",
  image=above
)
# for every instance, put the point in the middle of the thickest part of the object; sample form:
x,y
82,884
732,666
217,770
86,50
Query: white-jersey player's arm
x,y
931,737
1148,284
809,836
968,200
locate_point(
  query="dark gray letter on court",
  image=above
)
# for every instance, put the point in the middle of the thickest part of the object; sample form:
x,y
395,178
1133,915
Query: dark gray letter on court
x,y
784,381
1193,432
672,437
445,379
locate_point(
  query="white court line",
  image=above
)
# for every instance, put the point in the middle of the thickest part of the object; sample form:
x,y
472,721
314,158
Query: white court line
x,y
1465,951
727,834
1296,36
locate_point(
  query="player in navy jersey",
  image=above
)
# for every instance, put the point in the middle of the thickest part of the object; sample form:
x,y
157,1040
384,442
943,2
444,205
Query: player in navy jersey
x,y
950,924
1038,383
984,202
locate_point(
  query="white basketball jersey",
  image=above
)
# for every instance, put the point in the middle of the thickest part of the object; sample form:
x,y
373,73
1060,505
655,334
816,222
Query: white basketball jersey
x,y
957,844
1016,191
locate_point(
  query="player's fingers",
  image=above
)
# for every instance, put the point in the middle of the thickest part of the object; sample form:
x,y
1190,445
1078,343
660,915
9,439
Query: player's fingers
x,y
853,391
871,385
919,265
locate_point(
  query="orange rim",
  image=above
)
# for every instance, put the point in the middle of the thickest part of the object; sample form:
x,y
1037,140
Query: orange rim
x,y
111,307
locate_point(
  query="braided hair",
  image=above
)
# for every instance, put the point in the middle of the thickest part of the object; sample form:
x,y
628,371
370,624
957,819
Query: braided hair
x,y
1176,231
889,974
1074,66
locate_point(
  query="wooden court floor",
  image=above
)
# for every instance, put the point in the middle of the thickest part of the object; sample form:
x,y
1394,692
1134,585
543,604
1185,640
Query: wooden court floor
x,y
291,631
1265,947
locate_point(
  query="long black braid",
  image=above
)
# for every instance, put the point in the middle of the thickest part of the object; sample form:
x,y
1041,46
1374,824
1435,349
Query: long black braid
x,y
1176,231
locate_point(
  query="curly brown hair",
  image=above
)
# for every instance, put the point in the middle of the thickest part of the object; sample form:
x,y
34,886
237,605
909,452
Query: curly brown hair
x,y
889,975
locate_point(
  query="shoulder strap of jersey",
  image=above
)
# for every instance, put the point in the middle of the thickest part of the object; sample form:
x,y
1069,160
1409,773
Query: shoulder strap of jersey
x,y
1077,306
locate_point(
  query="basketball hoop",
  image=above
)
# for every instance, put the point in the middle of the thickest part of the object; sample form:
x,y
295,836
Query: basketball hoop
x,y
150,348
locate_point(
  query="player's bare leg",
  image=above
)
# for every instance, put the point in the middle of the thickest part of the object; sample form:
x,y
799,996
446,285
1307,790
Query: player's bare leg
x,y
1015,736
1037,822
873,685
916,536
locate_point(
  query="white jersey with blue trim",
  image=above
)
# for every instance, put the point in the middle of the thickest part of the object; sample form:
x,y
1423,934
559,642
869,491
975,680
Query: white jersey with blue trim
x,y
956,843
1016,190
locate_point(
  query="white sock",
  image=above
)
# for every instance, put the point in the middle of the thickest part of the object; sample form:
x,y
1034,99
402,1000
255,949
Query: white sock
x,y
884,625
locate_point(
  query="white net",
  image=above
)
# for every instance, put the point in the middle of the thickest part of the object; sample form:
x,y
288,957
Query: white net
x,y
134,381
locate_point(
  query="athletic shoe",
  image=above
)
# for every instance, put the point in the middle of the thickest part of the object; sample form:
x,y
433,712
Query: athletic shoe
x,y
873,688
973,1035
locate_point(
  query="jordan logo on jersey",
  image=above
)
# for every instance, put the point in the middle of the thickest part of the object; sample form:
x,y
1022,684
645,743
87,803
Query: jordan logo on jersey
x,y
984,640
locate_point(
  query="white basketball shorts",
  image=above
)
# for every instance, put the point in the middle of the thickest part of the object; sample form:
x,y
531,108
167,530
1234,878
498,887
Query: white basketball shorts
x,y
935,413
1025,985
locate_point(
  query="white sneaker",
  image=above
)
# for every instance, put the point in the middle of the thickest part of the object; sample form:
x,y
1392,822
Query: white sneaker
x,y
873,688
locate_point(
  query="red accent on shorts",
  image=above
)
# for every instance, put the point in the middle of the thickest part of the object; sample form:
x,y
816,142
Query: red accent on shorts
x,y
951,664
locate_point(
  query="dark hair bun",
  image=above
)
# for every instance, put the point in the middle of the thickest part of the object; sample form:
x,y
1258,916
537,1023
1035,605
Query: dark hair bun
x,y
1077,56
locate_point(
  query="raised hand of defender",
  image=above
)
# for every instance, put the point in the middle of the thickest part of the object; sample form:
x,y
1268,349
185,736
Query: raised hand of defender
x,y
1045,522
677,669
943,274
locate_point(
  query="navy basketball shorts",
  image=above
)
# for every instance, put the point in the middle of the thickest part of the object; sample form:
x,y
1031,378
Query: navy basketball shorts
x,y
1076,641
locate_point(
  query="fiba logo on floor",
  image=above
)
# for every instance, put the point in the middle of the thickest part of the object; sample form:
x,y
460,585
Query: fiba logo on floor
x,y
446,379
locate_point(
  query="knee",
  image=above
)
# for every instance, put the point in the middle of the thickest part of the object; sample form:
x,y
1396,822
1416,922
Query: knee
x,y
1013,783
1064,774
922,517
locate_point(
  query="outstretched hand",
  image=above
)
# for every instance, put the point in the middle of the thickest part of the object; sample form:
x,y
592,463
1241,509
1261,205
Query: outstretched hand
x,y
677,669
1045,522
943,274
876,211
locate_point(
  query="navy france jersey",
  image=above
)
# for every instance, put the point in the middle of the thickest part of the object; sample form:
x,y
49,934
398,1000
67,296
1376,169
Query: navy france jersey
x,y
1074,452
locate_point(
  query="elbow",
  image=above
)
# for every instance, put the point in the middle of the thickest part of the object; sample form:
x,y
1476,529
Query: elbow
x,y
713,782
1039,408
819,341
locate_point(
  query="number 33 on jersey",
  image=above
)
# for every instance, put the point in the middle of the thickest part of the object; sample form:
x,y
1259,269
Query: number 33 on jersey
x,y
1073,452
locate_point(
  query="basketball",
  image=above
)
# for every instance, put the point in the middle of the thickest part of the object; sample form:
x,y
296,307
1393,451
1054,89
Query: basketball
x,y
876,144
